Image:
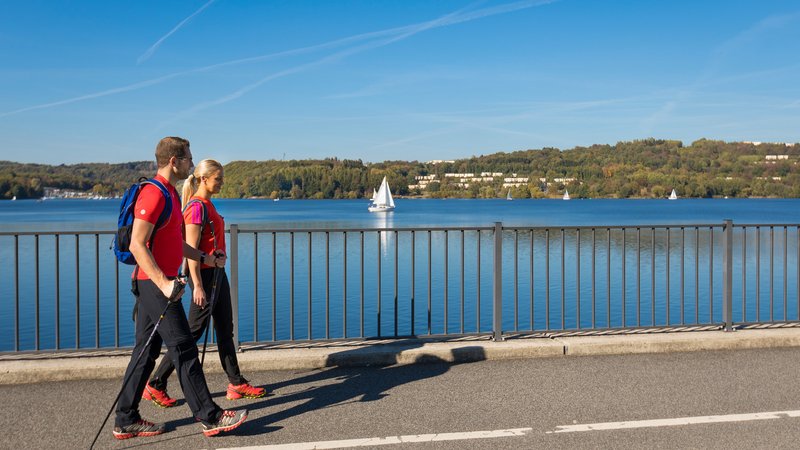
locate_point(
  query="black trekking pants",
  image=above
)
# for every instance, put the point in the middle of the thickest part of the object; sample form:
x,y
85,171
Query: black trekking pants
x,y
175,333
198,321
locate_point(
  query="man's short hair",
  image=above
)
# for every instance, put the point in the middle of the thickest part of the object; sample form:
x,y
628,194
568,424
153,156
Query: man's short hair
x,y
168,147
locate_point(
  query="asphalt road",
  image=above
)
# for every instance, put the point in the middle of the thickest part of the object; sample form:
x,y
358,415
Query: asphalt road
x,y
539,396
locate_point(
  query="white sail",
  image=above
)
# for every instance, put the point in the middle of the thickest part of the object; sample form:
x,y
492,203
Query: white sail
x,y
508,197
566,195
383,200
673,195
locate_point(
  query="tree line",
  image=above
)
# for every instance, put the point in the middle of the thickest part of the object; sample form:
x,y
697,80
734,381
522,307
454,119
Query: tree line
x,y
648,168
30,180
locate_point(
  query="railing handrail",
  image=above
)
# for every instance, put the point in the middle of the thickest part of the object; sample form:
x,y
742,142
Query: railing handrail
x,y
251,228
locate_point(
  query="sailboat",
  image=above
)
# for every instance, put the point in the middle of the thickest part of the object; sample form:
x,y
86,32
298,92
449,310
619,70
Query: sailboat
x,y
508,197
382,201
566,195
13,198
673,195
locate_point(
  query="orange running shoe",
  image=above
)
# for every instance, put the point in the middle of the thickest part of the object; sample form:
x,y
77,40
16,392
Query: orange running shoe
x,y
160,398
244,390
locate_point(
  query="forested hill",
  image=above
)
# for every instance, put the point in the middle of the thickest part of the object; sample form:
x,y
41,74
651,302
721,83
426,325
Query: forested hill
x,y
648,168
30,180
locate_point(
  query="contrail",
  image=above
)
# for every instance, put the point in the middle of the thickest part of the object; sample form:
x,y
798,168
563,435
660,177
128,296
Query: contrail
x,y
158,43
269,56
119,90
408,31
403,30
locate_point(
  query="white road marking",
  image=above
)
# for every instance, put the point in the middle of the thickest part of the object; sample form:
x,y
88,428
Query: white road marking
x,y
390,440
674,422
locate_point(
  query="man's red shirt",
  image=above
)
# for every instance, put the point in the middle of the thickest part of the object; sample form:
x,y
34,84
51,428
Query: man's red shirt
x,y
167,245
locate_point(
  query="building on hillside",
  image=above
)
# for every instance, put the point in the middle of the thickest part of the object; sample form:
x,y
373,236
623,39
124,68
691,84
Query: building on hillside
x,y
423,181
459,175
757,143
514,181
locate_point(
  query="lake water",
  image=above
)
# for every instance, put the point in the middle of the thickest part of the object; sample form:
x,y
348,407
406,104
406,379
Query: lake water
x,y
538,304
60,215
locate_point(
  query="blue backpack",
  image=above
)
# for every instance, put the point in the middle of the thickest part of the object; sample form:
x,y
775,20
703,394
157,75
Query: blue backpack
x,y
122,240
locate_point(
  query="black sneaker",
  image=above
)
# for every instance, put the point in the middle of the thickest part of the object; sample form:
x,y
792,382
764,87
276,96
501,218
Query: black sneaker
x,y
226,422
140,428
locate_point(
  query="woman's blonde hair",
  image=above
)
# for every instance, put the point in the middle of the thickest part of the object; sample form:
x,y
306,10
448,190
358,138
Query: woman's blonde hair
x,y
204,168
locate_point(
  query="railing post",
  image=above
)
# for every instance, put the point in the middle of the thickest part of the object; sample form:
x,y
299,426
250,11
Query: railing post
x,y
727,275
497,299
233,257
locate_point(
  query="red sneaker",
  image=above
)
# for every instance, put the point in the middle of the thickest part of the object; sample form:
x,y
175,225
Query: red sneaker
x,y
160,398
244,390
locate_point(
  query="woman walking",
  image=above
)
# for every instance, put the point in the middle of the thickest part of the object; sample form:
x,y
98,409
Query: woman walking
x,y
205,230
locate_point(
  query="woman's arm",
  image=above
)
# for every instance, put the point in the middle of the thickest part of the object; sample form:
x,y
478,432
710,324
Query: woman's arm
x,y
193,240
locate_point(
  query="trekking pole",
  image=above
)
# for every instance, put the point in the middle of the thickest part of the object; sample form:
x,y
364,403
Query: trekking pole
x,y
218,271
213,300
125,381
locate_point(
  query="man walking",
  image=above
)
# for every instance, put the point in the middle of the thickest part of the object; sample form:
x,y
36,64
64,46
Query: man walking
x,y
159,261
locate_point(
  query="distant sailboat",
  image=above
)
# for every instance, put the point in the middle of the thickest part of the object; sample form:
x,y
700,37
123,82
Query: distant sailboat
x,y
673,195
566,195
382,201
13,198
508,197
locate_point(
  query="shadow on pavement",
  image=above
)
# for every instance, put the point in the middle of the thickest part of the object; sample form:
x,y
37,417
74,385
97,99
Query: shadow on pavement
x,y
346,383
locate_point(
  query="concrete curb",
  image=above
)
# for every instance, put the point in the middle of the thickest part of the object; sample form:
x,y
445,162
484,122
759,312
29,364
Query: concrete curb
x,y
59,367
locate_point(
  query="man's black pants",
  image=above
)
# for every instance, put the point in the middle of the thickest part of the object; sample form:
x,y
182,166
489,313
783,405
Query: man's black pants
x,y
198,320
174,331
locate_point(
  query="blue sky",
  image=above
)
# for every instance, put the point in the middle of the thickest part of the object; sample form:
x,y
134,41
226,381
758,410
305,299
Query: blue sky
x,y
102,81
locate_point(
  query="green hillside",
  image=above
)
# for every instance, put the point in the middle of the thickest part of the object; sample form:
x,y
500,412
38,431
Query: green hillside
x,y
647,168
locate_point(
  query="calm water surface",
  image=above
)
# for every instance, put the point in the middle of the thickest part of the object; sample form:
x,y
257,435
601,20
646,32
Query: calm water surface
x,y
540,304
54,215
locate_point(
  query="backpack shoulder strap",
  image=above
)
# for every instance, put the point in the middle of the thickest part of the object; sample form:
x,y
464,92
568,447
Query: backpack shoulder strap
x,y
165,213
203,208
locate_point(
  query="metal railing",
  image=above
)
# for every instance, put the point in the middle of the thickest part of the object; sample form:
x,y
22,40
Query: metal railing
x,y
333,284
